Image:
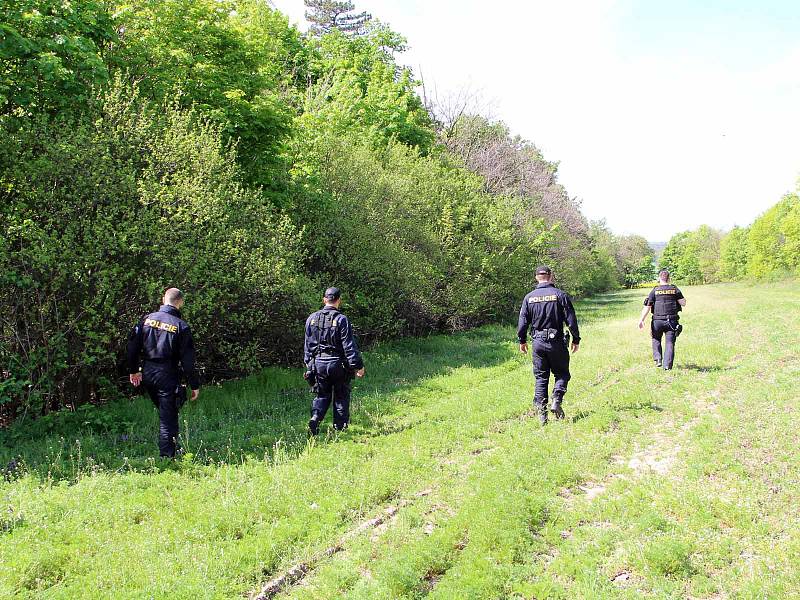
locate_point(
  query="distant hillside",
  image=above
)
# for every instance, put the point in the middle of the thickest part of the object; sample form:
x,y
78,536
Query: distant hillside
x,y
658,247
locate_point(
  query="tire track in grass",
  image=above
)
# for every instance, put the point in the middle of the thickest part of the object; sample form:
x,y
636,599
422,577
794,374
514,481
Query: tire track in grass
x,y
295,574
388,515
430,578
656,454
521,516
301,569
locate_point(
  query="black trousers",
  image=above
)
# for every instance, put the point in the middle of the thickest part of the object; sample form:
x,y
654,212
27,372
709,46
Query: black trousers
x,y
333,386
550,356
163,384
668,330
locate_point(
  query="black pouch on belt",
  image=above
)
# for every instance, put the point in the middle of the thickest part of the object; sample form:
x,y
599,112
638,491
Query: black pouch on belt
x,y
180,396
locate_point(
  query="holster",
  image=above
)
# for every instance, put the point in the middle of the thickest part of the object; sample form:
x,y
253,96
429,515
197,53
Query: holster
x,y
349,371
310,375
181,396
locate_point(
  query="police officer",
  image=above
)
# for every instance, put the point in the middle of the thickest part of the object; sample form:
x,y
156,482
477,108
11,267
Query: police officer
x,y
666,301
165,342
332,355
545,311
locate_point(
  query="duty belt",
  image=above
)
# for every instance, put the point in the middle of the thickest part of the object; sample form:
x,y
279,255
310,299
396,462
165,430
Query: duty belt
x,y
545,334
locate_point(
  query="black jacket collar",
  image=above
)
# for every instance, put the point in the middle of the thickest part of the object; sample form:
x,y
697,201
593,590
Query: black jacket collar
x,y
170,310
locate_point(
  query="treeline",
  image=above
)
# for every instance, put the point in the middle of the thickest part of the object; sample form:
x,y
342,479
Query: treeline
x,y
768,249
210,145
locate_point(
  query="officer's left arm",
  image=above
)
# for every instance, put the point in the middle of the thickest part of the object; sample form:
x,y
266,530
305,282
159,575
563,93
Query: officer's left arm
x,y
133,351
307,351
571,318
349,346
187,357
645,312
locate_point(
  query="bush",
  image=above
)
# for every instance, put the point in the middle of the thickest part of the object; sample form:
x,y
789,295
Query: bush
x,y
414,240
100,213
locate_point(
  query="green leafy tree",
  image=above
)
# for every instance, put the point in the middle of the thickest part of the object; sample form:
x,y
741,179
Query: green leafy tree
x,y
52,53
361,88
774,239
326,16
100,213
693,256
235,62
635,260
734,252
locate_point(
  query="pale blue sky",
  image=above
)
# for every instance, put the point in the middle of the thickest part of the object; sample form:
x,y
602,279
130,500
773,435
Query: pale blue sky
x,y
662,115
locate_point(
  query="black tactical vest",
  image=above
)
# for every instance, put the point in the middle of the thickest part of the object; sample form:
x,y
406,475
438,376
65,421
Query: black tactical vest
x,y
666,301
325,331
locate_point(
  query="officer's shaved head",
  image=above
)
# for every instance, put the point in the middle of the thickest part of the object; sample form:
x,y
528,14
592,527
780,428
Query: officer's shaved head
x,y
663,275
173,297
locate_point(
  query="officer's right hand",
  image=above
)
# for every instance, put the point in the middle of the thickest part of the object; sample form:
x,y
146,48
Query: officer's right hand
x,y
360,372
195,394
575,347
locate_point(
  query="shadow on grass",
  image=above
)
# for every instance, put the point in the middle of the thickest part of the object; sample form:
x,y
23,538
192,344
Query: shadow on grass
x,y
635,407
265,416
262,417
703,368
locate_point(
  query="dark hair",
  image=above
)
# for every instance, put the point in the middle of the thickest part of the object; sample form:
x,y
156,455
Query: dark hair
x,y
663,274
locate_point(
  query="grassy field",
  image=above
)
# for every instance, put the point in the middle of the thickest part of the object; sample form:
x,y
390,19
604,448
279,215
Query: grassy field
x,y
679,484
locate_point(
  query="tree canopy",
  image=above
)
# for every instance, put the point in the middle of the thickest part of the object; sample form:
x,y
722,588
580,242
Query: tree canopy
x,y
209,144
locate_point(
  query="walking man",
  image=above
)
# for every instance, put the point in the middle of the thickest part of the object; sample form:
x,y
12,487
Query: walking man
x,y
665,301
332,355
164,340
545,311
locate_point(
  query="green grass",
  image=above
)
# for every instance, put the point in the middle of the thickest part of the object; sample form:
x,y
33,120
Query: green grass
x,y
659,485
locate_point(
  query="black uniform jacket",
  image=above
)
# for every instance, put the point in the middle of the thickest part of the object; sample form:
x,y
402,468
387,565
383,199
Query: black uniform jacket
x,y
664,301
547,307
163,337
329,334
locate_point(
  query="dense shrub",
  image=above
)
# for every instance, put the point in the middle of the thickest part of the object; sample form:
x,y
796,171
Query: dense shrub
x,y
774,240
209,144
100,213
733,254
415,240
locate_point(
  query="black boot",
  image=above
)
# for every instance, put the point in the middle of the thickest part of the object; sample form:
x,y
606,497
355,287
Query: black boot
x,y
555,408
541,409
313,424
